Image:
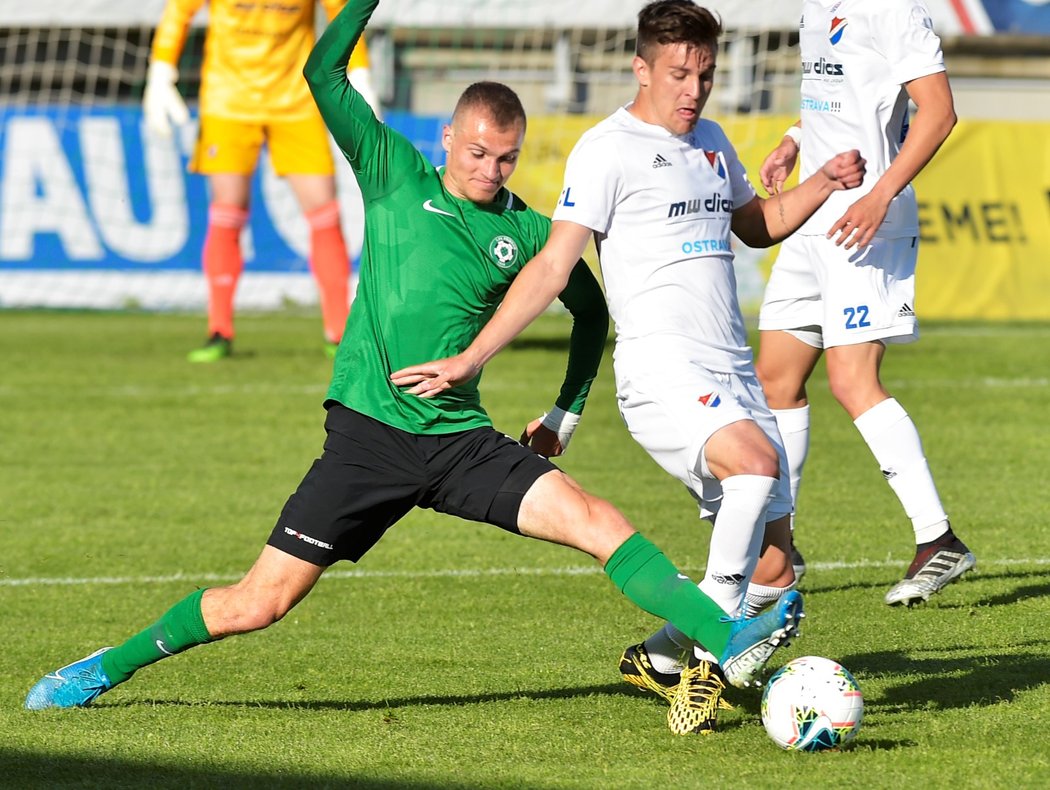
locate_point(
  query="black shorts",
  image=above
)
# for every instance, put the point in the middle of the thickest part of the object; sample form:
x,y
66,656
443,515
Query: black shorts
x,y
370,475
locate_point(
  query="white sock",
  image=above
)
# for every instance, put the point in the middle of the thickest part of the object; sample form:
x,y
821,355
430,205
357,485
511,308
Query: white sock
x,y
736,539
793,425
895,443
735,544
759,596
668,650
703,655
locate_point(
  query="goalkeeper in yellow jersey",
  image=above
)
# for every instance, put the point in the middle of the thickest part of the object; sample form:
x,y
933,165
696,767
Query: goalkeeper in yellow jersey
x,y
252,91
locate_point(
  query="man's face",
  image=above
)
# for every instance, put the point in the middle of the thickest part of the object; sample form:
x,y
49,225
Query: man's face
x,y
481,155
674,88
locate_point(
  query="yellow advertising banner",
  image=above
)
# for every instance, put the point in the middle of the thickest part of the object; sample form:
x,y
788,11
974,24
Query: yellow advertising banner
x,y
984,211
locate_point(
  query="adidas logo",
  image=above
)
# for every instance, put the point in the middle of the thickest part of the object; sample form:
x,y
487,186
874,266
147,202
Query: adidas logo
x,y
905,311
660,162
728,578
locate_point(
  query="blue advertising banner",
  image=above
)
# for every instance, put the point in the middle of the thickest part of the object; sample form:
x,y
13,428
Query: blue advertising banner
x,y
1026,17
88,189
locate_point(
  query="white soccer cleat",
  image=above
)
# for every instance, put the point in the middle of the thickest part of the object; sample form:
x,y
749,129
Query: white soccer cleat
x,y
931,571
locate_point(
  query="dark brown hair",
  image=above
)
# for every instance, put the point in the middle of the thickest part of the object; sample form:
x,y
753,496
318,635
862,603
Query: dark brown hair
x,y
499,101
675,22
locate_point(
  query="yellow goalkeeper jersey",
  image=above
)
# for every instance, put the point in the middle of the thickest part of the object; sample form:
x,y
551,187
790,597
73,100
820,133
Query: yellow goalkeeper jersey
x,y
254,52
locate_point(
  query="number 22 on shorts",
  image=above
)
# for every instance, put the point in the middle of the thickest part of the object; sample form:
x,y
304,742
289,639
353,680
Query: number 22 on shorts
x,y
857,317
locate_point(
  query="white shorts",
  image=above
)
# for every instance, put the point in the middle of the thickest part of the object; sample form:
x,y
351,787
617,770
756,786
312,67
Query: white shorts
x,y
847,297
673,409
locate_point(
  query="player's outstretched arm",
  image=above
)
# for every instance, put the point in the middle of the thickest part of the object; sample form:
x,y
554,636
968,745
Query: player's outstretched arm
x,y
535,287
781,161
933,122
765,221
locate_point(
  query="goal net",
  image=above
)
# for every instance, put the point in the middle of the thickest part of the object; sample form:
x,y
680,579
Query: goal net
x,y
96,213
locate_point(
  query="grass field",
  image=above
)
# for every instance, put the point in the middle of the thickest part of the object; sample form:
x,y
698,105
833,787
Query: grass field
x,y
455,655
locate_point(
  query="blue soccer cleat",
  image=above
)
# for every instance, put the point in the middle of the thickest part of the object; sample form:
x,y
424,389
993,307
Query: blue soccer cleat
x,y
752,640
72,686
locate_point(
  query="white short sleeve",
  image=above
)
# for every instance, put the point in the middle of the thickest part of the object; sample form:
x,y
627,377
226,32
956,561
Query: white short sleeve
x,y
903,32
743,191
592,186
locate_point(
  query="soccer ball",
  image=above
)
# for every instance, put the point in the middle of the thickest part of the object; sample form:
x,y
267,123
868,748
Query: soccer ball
x,y
811,704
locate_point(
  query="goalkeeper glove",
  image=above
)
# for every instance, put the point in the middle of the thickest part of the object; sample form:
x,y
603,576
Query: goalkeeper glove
x,y
161,103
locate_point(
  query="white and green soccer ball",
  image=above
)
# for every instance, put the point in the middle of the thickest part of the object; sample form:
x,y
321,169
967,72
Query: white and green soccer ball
x,y
811,704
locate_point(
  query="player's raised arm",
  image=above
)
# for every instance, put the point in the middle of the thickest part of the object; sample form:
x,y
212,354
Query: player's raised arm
x,y
763,222
346,112
359,69
535,287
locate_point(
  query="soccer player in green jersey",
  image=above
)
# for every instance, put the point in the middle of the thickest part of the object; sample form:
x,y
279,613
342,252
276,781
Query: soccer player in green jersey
x,y
442,246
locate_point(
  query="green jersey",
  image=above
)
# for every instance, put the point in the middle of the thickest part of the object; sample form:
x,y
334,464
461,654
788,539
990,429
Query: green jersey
x,y
434,267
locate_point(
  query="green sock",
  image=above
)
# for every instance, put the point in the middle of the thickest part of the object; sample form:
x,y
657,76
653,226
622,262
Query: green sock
x,y
642,573
181,628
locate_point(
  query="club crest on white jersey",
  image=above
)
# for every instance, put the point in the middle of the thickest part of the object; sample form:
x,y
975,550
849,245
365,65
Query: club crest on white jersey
x,y
838,29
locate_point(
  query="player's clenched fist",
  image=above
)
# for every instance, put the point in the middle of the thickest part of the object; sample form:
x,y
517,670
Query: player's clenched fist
x,y
845,171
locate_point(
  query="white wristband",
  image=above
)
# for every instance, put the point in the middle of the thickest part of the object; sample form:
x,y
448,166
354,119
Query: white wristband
x,y
795,133
562,423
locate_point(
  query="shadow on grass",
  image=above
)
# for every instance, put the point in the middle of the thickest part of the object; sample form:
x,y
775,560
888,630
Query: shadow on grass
x,y
975,676
744,700
879,744
1020,593
1012,596
32,770
393,703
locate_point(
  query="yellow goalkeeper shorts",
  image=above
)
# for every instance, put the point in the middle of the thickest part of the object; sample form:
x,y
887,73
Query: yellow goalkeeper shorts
x,y
229,146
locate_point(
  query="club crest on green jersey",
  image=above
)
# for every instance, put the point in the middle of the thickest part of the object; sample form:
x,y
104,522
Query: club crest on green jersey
x,y
503,251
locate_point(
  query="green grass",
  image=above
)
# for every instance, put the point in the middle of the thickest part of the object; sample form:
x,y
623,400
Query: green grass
x,y
128,477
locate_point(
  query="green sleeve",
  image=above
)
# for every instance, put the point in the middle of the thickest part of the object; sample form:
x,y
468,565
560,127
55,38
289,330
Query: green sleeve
x,y
584,299
379,156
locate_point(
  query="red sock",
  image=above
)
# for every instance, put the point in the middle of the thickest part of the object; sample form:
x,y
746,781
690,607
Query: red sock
x,y
223,264
331,267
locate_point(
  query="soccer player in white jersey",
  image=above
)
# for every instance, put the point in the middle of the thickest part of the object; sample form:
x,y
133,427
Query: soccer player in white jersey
x,y
861,62
660,189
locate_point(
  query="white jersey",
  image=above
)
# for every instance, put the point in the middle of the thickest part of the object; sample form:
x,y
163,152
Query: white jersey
x,y
856,57
661,207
